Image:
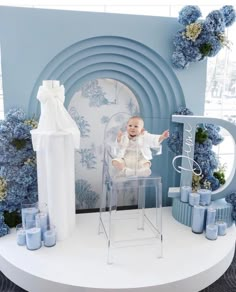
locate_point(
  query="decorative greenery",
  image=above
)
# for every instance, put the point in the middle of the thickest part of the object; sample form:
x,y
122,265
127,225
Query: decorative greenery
x,y
201,135
207,135
18,176
220,174
12,219
201,38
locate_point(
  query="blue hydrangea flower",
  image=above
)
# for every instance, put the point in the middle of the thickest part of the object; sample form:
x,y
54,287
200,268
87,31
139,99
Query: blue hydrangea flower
x,y
192,54
215,184
179,60
4,229
21,131
228,14
231,198
183,111
200,39
214,133
215,22
175,142
189,14
180,42
17,163
15,115
202,147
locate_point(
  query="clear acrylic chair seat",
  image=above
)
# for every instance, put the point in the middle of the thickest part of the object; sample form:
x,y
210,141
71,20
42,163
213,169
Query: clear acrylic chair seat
x,y
139,224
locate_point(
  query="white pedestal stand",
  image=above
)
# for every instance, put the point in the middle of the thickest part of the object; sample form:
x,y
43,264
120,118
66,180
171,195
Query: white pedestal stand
x,y
55,141
56,180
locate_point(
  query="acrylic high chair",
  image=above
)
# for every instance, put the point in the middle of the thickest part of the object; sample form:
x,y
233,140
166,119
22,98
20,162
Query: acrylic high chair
x,y
140,225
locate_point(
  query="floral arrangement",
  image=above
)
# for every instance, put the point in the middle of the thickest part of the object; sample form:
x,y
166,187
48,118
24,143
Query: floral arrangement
x,y
207,135
18,174
231,198
201,38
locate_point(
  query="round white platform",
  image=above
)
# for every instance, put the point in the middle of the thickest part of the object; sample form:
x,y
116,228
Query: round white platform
x,y
190,262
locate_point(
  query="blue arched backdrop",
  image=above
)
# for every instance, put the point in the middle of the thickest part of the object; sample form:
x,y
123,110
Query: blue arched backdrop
x,y
75,47
143,70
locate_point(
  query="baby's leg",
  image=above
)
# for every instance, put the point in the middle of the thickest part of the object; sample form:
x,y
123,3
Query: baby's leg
x,y
144,170
118,164
147,164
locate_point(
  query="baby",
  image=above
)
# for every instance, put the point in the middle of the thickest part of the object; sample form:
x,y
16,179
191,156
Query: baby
x,y
134,148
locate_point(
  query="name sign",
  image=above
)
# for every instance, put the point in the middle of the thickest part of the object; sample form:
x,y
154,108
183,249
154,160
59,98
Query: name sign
x,y
188,166
188,163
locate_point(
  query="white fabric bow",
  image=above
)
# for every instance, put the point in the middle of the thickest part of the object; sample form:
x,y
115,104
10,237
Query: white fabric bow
x,y
54,117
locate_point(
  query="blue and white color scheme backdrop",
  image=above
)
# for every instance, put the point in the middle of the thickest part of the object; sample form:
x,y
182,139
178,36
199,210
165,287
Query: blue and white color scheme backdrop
x,y
77,48
92,107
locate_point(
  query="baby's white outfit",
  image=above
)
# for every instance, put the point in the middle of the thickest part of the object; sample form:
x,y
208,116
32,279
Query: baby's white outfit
x,y
136,152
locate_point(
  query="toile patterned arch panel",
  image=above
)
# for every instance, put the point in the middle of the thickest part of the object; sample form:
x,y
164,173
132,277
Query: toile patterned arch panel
x,y
131,51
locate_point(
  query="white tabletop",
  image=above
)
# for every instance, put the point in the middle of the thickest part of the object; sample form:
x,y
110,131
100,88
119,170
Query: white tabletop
x,y
190,262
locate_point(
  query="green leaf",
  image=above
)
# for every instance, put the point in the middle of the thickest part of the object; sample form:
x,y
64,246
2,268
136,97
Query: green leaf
x,y
205,49
201,135
12,218
18,143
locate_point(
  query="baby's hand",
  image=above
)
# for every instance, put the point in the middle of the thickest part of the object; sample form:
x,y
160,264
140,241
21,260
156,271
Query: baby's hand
x,y
119,136
165,134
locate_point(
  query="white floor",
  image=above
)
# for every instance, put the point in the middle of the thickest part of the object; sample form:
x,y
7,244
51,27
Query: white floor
x,y
190,262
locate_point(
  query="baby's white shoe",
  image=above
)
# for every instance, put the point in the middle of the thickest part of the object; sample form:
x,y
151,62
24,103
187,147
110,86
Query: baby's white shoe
x,y
144,172
130,172
137,172
121,173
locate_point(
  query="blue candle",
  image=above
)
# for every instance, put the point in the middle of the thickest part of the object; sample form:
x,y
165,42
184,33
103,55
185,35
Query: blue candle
x,y
198,219
42,222
33,238
184,193
194,199
28,215
49,237
222,226
20,237
205,197
211,216
211,231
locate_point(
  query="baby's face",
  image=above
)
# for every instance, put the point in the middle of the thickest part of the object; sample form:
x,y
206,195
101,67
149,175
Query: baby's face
x,y
134,127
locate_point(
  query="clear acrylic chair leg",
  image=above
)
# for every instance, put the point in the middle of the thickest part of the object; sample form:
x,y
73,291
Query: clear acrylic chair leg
x,y
112,197
158,189
141,205
109,248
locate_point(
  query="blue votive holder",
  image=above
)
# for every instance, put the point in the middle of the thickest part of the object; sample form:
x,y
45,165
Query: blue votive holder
x,y
33,237
205,197
184,193
198,219
194,199
28,213
211,216
222,226
20,235
41,220
211,231
49,236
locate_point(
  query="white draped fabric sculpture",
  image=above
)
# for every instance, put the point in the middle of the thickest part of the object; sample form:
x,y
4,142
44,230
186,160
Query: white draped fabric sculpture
x,y
55,141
